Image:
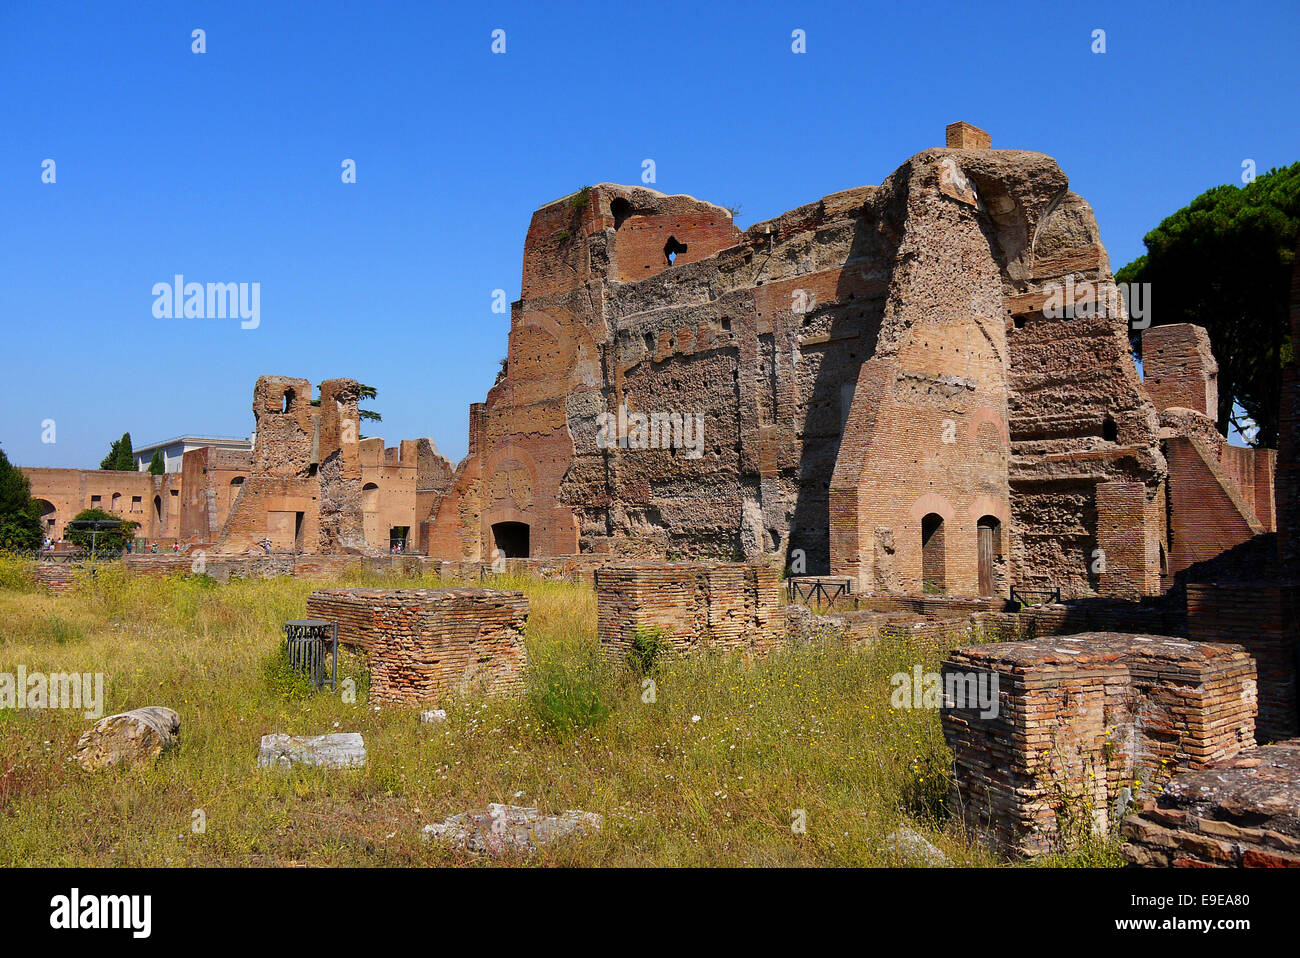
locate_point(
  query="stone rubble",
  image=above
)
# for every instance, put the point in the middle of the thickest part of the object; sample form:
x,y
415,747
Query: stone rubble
x,y
137,737
335,750
510,828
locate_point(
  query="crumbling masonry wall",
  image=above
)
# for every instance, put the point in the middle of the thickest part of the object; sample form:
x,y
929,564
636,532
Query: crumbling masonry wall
x,y
688,606
1243,813
315,486
863,366
1080,718
423,645
1218,495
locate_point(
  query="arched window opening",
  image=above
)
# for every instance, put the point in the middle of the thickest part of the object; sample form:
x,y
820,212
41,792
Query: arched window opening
x,y
933,557
621,210
989,530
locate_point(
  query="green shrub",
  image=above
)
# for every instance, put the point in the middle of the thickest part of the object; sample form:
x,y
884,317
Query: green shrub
x,y
578,201
281,680
568,693
648,644
16,573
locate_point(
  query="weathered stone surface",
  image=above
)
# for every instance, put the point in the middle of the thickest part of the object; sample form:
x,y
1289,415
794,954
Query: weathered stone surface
x,y
1087,723
433,716
910,844
336,750
423,644
869,385
688,606
858,364
1243,811
136,737
510,828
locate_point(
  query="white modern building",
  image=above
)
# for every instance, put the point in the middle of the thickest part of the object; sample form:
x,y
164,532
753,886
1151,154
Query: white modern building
x,y
173,449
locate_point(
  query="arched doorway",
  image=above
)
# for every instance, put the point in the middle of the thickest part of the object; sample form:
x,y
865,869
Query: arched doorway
x,y
933,555
989,530
49,515
511,539
370,519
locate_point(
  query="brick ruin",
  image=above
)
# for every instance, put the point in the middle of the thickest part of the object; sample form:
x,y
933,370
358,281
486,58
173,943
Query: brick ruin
x,y
880,385
425,644
1240,812
316,486
1081,721
688,606
875,386
883,387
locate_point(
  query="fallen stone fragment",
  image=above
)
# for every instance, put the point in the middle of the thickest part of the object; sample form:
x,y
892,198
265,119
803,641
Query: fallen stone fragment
x,y
499,828
137,737
336,750
433,716
910,844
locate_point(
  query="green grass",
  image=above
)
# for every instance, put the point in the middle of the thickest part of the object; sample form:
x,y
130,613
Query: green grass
x,y
710,769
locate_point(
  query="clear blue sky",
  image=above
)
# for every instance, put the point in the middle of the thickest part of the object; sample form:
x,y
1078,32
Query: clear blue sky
x,y
226,166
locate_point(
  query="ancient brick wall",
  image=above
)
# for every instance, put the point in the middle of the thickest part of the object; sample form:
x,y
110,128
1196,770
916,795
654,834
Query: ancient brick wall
x,y
1207,512
1130,530
1079,415
337,456
927,428
1179,368
211,479
152,501
1080,718
1260,617
56,577
690,605
315,486
1218,495
862,366
1240,813
964,136
223,568
423,645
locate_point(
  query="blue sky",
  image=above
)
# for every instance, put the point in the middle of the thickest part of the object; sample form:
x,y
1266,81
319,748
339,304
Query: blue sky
x,y
225,166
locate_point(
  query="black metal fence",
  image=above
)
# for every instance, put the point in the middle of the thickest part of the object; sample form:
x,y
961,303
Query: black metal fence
x,y
67,555
816,592
1046,596
308,642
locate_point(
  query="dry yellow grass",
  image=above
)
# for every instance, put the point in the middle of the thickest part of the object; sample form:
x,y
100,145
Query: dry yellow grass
x,y
712,772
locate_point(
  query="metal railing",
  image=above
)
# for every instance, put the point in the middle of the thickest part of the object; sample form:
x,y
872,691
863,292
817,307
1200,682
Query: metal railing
x,y
308,641
1049,596
815,592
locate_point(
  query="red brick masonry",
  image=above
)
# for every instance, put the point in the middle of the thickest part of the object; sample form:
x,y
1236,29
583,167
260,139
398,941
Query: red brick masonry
x,y
1241,812
1085,723
424,644
715,605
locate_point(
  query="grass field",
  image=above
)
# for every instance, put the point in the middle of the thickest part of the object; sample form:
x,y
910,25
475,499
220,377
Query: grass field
x,y
712,772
